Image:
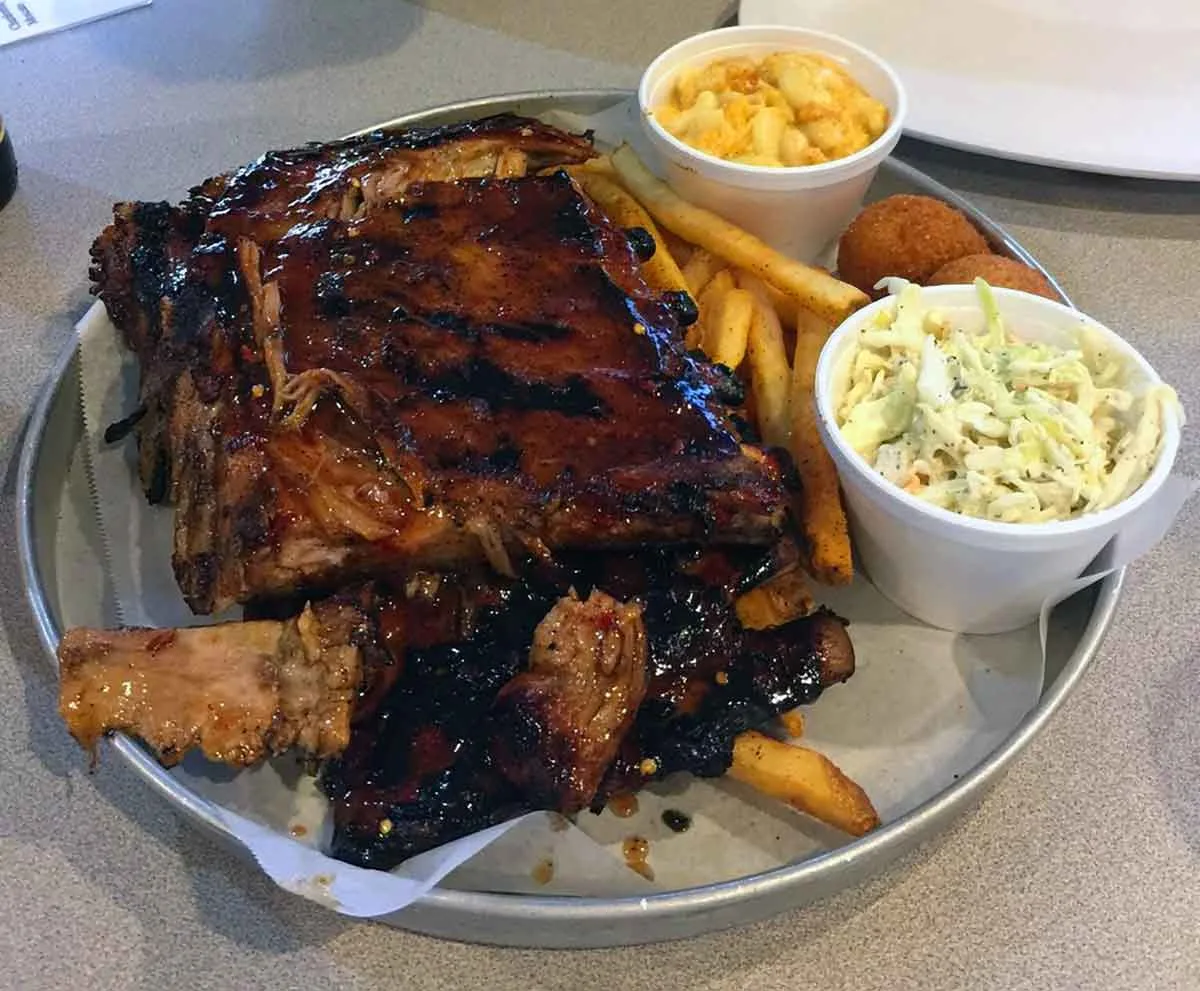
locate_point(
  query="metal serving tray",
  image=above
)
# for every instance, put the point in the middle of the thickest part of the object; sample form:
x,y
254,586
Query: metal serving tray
x,y
50,447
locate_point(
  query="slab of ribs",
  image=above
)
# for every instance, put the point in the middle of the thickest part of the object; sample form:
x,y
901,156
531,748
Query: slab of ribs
x,y
416,411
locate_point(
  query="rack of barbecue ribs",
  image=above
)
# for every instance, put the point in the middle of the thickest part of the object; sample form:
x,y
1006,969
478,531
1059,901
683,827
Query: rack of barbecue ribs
x,y
414,408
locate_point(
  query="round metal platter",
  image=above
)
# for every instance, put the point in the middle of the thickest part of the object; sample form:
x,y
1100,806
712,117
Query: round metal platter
x,y
55,432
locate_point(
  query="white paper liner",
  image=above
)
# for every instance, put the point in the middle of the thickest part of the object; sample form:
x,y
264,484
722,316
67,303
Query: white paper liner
x,y
924,707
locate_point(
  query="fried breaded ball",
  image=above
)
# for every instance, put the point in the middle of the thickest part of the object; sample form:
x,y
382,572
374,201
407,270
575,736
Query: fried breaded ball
x,y
996,271
904,235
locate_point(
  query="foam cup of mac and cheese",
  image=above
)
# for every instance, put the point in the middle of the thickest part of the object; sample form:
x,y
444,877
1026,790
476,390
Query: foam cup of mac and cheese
x,y
780,130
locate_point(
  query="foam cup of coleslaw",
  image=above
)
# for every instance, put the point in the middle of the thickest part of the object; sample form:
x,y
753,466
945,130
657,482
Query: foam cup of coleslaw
x,y
987,557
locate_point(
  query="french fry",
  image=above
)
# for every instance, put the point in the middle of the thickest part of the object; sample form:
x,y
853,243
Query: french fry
x,y
813,288
680,250
822,518
785,306
816,330
700,269
770,374
708,302
805,780
781,599
792,722
727,333
660,271
749,400
600,165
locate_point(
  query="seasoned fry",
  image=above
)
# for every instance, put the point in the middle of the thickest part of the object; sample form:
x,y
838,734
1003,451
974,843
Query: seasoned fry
x,y
708,302
660,271
600,165
792,723
700,269
805,780
785,306
815,330
770,374
749,400
680,250
727,333
822,518
813,288
781,599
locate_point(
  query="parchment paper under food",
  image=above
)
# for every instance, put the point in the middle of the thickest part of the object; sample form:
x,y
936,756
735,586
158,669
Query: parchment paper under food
x,y
923,708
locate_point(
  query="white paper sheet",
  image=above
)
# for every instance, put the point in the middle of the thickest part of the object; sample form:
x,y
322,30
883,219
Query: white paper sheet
x,y
21,19
923,708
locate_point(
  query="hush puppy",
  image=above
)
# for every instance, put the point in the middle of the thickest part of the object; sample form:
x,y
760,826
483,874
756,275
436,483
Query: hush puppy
x,y
996,271
908,236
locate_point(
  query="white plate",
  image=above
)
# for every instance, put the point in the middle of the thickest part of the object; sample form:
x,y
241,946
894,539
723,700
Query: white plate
x,y
1101,85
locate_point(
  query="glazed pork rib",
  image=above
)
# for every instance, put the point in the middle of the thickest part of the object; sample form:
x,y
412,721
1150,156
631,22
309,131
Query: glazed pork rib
x,y
145,255
415,407
464,378
165,274
529,706
473,371
574,703
238,692
449,705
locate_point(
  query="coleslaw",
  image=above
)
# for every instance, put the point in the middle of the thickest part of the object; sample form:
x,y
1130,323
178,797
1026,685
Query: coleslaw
x,y
990,426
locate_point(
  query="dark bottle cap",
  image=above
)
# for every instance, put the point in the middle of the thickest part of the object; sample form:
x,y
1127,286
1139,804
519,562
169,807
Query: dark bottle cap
x,y
8,166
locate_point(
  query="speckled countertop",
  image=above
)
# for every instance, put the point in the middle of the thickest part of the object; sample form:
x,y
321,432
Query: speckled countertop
x,y
1082,870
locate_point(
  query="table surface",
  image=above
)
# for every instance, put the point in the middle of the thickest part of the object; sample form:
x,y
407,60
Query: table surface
x,y
1082,869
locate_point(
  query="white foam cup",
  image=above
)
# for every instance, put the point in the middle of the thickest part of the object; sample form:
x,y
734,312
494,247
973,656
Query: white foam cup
x,y
797,210
956,572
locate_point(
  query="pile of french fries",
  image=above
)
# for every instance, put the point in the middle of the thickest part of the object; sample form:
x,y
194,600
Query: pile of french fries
x,y
757,308
762,314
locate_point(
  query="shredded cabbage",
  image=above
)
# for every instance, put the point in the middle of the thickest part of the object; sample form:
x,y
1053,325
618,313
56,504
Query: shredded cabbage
x,y
994,427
